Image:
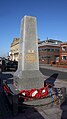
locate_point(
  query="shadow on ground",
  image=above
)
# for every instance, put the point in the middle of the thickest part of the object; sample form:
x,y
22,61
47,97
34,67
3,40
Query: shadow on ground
x,y
51,79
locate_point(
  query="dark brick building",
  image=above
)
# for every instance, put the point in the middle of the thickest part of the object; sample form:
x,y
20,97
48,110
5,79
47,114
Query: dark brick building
x,y
63,53
49,51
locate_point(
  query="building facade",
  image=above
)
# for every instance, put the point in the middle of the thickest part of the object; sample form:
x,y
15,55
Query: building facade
x,y
14,49
49,51
63,53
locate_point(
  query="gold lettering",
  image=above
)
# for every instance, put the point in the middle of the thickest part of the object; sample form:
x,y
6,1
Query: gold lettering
x,y
30,58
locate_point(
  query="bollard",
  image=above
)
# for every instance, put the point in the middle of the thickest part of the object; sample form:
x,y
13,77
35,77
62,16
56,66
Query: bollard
x,y
15,104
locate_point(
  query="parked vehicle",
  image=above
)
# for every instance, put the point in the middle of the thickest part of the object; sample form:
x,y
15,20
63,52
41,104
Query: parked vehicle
x,y
12,65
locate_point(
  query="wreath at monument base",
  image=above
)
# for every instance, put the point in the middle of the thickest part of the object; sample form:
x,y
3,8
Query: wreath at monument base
x,y
29,94
36,94
33,93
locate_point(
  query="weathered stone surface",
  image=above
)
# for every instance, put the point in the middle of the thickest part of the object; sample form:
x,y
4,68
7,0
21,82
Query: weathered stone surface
x,y
40,102
28,55
29,79
28,75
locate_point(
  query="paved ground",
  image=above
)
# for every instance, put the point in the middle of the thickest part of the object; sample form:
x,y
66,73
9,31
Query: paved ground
x,y
48,71
57,68
40,112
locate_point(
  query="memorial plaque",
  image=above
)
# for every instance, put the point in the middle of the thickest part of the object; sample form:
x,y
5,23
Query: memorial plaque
x,y
28,75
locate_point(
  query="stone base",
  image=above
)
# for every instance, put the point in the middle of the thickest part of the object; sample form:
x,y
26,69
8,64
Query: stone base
x,y
25,80
39,102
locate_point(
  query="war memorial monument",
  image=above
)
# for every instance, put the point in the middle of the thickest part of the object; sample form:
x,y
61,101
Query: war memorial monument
x,y
28,82
28,75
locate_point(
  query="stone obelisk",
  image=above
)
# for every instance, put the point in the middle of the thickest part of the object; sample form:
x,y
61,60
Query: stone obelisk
x,y
28,75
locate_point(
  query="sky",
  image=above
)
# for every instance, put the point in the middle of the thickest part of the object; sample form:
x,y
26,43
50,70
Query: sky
x,y
51,18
